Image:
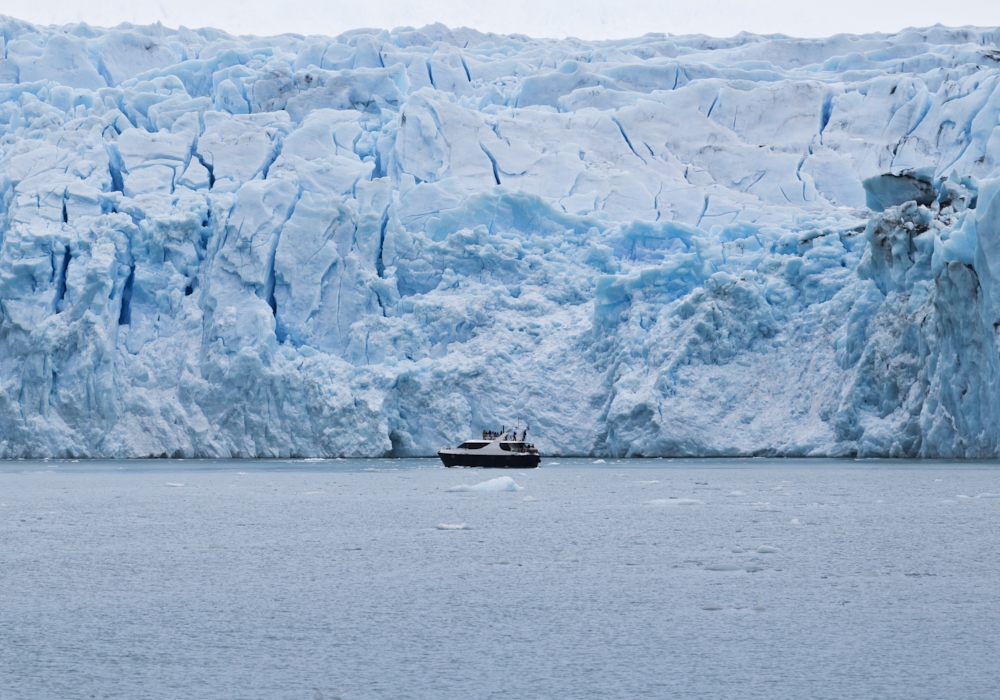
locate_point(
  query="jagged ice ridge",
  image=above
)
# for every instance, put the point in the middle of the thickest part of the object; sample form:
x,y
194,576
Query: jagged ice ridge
x,y
382,242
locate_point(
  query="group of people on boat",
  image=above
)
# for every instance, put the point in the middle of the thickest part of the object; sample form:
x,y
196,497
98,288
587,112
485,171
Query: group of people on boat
x,y
512,435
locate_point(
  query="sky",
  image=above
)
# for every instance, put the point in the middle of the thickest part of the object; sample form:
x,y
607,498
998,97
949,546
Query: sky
x,y
586,19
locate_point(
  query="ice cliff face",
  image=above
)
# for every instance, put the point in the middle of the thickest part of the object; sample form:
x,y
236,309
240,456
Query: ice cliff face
x,y
383,242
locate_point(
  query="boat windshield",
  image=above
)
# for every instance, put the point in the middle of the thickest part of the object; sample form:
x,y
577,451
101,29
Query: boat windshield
x,y
512,446
472,445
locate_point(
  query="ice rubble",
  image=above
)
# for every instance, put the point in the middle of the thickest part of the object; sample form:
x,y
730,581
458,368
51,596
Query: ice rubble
x,y
381,242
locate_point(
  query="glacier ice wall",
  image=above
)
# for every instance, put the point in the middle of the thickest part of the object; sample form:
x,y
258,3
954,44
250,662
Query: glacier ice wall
x,y
382,242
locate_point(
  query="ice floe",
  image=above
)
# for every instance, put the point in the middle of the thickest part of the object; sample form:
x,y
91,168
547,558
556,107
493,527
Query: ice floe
x,y
675,502
501,483
723,567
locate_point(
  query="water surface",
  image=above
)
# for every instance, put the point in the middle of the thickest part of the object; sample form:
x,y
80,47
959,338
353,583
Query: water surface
x,y
631,579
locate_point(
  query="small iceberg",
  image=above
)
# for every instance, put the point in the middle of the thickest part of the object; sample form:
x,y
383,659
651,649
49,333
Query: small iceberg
x,y
675,502
767,549
501,483
529,499
723,567
447,526
175,485
599,461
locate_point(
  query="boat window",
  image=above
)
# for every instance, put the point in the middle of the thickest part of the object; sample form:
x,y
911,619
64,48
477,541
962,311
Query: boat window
x,y
472,445
505,446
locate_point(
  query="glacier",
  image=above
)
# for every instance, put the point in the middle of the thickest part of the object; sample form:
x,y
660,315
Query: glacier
x,y
380,243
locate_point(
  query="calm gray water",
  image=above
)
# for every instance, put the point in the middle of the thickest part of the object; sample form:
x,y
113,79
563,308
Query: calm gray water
x,y
332,579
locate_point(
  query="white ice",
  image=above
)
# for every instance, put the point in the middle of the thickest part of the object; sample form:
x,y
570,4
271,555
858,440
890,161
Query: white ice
x,y
675,502
383,242
501,483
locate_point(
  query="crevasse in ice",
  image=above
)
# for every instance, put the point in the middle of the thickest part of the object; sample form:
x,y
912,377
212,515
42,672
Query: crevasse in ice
x,y
384,242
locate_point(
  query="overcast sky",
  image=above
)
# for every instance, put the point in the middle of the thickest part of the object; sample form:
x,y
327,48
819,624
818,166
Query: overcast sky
x,y
589,19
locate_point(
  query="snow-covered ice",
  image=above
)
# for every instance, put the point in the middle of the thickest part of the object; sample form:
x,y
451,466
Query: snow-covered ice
x,y
501,483
356,246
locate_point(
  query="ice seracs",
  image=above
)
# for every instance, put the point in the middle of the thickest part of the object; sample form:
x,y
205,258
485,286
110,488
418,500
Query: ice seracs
x,y
366,245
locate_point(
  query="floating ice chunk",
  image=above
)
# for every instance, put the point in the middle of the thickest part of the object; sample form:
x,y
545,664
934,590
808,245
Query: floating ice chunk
x,y
988,495
314,459
171,483
723,567
529,499
767,549
736,493
547,463
737,550
675,502
962,496
794,521
759,606
501,483
599,461
711,606
447,526
654,481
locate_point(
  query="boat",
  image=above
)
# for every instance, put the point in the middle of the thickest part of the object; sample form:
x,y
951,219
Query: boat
x,y
505,449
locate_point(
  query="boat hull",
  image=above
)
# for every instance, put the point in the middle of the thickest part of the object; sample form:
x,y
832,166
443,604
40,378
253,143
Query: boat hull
x,y
488,461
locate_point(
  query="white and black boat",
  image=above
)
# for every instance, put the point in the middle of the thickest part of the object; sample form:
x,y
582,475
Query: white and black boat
x,y
506,449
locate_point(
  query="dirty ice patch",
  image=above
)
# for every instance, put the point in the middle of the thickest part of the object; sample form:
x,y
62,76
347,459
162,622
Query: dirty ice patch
x,y
501,483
